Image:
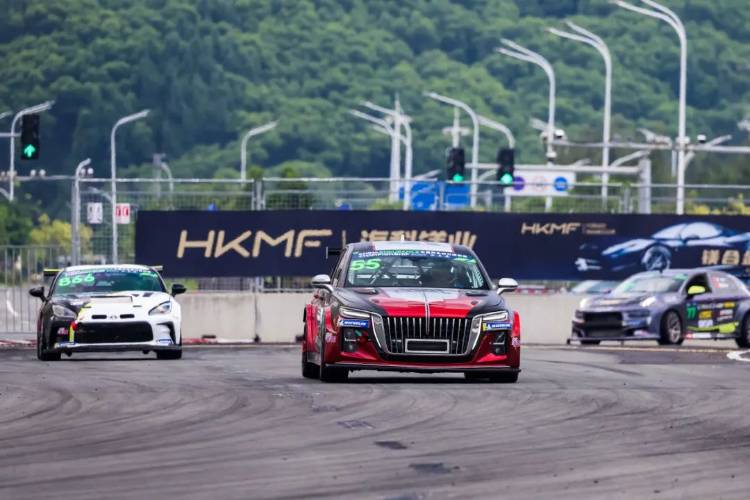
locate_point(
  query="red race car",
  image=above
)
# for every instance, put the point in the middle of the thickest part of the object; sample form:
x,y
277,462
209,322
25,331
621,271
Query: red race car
x,y
410,307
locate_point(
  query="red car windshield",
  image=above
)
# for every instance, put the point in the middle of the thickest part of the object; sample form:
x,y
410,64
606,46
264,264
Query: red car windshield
x,y
414,268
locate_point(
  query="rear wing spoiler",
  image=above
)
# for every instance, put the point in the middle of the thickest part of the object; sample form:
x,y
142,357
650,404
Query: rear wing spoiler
x,y
158,269
51,273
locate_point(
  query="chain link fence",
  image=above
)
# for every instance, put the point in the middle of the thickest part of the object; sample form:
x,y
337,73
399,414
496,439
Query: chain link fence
x,y
22,267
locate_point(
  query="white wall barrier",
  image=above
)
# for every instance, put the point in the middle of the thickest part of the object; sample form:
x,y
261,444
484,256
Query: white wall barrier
x,y
277,317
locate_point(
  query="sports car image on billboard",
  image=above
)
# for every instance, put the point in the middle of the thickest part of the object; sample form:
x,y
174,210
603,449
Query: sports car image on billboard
x,y
410,307
669,307
680,245
108,308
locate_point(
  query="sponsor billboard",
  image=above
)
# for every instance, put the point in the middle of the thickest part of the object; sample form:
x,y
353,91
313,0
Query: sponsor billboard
x,y
523,246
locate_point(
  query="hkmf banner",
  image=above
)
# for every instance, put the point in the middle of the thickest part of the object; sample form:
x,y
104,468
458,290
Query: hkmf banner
x,y
522,246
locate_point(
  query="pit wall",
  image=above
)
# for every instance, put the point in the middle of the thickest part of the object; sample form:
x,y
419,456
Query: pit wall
x,y
277,317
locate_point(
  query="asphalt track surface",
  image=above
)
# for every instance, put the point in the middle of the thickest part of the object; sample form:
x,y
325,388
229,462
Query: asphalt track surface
x,y
242,423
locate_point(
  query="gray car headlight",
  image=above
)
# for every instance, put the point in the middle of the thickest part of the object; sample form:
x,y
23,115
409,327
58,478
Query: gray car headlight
x,y
62,311
496,316
163,308
345,312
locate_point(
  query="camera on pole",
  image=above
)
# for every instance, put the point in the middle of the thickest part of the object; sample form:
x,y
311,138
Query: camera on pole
x,y
30,137
456,164
506,166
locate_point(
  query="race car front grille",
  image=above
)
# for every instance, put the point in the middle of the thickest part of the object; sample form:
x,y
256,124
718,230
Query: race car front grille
x,y
451,331
603,319
112,333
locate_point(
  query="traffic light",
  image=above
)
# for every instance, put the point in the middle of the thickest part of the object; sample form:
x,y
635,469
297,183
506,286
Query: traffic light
x,y
30,137
506,166
456,164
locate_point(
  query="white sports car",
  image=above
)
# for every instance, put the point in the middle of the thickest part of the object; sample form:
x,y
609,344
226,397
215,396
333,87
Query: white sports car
x,y
108,308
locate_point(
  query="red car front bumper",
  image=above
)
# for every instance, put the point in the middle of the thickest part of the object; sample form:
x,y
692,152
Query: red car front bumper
x,y
367,356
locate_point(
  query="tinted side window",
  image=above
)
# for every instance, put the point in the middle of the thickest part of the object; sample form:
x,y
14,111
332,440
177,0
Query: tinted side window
x,y
723,284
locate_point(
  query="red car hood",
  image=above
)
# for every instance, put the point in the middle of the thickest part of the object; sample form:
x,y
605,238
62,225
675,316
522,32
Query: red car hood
x,y
442,302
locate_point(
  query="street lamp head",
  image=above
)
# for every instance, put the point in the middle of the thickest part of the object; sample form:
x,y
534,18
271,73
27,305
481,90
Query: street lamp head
x,y
42,173
90,172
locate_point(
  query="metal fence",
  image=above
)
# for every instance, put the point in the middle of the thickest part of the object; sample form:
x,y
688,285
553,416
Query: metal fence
x,y
21,267
93,199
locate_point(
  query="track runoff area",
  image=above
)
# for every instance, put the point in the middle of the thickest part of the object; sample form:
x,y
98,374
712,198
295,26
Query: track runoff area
x,y
240,422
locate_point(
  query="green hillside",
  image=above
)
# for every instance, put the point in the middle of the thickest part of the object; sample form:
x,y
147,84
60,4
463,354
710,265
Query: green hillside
x,y
210,69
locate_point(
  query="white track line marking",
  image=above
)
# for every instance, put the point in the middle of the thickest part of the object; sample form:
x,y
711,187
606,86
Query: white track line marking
x,y
737,356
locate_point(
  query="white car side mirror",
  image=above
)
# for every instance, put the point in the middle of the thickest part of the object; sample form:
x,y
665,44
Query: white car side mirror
x,y
506,285
323,282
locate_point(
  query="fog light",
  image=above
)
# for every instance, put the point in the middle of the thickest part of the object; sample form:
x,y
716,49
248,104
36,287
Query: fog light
x,y
350,339
163,331
499,343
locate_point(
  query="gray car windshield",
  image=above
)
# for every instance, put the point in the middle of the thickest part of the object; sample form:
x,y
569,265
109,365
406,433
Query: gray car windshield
x,y
107,280
650,284
414,268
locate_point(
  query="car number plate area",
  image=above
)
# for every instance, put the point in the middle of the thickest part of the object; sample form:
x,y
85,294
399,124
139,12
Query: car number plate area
x,y
431,346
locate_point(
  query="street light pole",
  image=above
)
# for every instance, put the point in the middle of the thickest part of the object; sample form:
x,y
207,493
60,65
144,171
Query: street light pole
x,y
589,38
486,122
113,167
243,148
12,170
523,54
405,121
475,139
664,14
75,231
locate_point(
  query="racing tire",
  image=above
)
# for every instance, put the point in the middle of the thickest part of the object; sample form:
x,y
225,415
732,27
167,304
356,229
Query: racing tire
x,y
497,378
590,342
309,370
329,374
164,355
41,351
671,331
656,258
743,338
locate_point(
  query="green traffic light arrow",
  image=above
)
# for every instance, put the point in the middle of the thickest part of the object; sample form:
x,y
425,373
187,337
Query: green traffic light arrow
x,y
29,151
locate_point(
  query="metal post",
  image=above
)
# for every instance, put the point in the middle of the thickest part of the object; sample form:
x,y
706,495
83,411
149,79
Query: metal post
x,y
593,40
663,13
76,212
243,148
644,191
113,167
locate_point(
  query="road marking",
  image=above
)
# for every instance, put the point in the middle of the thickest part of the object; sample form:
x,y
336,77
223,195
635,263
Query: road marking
x,y
737,356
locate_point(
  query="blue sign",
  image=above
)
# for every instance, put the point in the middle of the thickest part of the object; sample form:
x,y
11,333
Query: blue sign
x,y
457,195
424,196
355,323
519,183
561,184
497,325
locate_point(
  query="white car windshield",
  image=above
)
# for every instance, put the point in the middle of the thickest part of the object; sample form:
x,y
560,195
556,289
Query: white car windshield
x,y
414,268
650,284
107,280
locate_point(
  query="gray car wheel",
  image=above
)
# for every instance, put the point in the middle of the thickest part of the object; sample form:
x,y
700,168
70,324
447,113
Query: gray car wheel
x,y
743,338
671,332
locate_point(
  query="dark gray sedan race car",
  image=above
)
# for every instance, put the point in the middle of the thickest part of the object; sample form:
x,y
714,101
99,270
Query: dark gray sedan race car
x,y
669,307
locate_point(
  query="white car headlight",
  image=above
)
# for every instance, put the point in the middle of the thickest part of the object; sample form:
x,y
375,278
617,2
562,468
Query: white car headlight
x,y
62,311
163,308
648,301
345,312
496,316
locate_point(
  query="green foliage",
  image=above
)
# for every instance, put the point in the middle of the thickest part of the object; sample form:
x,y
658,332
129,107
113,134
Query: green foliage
x,y
57,233
210,70
15,223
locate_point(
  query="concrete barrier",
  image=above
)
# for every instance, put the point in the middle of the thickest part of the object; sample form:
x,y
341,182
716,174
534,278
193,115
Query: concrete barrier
x,y
277,317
